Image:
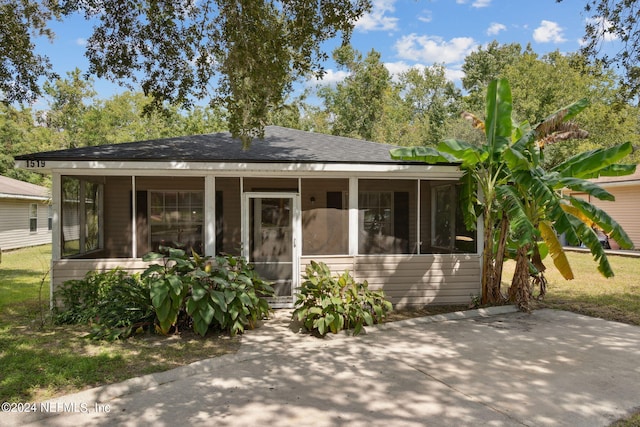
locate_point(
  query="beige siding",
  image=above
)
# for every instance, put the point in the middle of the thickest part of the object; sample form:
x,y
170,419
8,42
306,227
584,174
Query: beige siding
x,y
412,280
74,269
14,224
624,210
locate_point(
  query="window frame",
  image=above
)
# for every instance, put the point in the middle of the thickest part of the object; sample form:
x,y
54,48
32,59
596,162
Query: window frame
x,y
176,213
33,218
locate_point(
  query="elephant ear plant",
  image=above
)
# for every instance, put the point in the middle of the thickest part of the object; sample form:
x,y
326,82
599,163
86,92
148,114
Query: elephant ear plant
x,y
326,303
224,292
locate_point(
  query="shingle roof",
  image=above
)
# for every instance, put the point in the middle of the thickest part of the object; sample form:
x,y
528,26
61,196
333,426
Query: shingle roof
x,y
281,145
12,188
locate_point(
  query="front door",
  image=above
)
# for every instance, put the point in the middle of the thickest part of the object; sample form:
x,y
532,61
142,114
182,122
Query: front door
x,y
270,225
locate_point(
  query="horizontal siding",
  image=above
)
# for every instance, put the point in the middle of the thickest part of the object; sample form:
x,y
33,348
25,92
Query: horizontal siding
x,y
407,280
623,210
14,224
74,269
413,280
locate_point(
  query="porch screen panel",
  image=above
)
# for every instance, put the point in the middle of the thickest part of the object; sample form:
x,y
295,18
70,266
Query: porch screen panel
x,y
176,219
228,214
325,216
387,216
442,223
81,215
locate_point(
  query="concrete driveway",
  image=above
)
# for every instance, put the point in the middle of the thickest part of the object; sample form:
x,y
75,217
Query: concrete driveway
x,y
493,367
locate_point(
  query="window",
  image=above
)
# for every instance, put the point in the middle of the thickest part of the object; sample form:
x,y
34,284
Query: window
x,y
33,217
449,233
444,212
176,219
81,215
50,218
387,216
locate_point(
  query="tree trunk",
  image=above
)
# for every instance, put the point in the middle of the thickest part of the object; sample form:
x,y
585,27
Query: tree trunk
x,y
499,261
520,291
491,269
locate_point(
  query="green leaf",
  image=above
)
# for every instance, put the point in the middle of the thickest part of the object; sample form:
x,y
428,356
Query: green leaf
x,y
152,256
498,121
588,164
422,154
584,186
219,299
175,283
198,292
469,154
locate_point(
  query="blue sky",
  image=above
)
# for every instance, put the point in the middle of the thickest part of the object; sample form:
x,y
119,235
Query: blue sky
x,y
407,33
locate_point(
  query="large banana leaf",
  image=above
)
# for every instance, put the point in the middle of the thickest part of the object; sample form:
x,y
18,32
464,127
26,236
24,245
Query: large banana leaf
x,y
584,186
498,121
558,255
604,222
589,164
422,154
522,230
469,154
590,239
551,122
469,200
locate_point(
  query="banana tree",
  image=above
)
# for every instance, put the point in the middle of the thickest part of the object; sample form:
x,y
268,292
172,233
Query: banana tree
x,y
484,171
517,197
553,213
541,205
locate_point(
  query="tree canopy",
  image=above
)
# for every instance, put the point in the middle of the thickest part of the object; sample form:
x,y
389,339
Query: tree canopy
x,y
242,54
615,20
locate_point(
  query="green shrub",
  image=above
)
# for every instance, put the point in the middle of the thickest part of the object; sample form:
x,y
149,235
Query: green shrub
x,y
331,304
114,302
224,292
200,292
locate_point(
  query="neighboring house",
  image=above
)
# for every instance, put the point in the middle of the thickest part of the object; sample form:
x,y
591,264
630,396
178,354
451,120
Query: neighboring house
x,y
625,208
25,214
291,198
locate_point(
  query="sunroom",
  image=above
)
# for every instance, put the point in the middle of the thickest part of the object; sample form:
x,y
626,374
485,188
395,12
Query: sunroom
x,y
291,198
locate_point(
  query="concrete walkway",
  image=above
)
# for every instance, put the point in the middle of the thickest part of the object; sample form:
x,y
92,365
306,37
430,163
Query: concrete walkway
x,y
493,367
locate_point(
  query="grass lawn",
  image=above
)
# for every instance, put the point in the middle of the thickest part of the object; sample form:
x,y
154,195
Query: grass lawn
x,y
39,360
590,293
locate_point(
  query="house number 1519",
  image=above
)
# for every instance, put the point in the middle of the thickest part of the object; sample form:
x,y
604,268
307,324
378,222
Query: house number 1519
x,y
35,163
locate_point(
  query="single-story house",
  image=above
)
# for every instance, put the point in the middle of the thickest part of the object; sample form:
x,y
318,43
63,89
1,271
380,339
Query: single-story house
x,y
626,190
293,197
25,214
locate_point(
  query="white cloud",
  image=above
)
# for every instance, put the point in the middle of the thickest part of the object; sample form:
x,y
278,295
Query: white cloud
x,y
425,16
330,77
481,3
603,26
495,28
477,3
454,73
81,42
377,19
432,49
549,31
